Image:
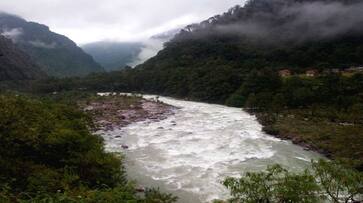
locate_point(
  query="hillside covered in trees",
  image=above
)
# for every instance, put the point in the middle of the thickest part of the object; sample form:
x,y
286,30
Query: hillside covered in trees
x,y
295,35
56,54
15,64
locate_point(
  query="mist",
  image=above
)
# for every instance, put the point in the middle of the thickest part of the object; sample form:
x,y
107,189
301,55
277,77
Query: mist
x,y
12,34
124,20
44,45
295,21
152,46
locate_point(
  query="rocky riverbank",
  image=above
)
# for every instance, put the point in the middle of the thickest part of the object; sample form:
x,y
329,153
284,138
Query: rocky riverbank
x,y
116,111
333,139
270,128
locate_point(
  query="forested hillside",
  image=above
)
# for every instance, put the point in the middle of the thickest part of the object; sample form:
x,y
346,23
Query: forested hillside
x,y
219,52
56,54
15,64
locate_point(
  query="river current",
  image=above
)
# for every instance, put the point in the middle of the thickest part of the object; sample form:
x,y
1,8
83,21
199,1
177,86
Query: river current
x,y
192,151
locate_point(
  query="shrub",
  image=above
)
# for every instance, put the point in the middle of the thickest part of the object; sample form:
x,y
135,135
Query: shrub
x,y
328,181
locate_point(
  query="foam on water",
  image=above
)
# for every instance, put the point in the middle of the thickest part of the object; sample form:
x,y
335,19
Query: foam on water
x,y
192,151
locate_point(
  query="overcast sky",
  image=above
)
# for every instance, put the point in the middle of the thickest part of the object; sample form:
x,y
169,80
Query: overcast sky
x,y
123,20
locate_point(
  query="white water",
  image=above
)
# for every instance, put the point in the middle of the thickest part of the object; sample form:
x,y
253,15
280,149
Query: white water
x,y
189,153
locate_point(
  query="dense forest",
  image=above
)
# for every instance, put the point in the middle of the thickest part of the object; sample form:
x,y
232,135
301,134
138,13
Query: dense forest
x,y
49,154
15,64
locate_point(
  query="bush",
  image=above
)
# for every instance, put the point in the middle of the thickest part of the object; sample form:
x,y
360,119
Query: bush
x,y
49,155
49,138
274,185
269,129
328,181
235,100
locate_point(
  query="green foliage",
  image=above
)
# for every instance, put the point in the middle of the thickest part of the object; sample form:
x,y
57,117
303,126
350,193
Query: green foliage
x,y
235,100
339,183
335,133
274,185
49,155
154,196
328,181
51,139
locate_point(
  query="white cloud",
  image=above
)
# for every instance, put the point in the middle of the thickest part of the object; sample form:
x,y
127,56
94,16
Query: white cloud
x,y
123,20
150,49
12,34
41,44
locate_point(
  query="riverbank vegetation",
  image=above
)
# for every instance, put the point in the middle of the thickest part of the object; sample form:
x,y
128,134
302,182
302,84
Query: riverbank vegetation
x,y
325,182
48,154
323,113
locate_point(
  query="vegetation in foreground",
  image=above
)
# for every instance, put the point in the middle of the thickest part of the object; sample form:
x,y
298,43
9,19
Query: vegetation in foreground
x,y
328,181
49,155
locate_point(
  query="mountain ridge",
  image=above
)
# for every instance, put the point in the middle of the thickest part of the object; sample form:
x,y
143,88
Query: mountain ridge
x,y
58,55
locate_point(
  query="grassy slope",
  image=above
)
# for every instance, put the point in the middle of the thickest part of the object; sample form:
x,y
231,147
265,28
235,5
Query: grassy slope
x,y
334,139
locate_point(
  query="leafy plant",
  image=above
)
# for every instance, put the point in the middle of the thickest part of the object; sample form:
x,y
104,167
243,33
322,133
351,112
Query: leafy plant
x,y
328,181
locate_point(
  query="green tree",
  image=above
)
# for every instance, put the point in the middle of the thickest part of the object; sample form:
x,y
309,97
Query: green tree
x,y
155,196
341,184
274,185
328,181
48,154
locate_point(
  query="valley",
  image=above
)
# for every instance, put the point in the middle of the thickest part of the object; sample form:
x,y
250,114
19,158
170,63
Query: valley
x,y
159,102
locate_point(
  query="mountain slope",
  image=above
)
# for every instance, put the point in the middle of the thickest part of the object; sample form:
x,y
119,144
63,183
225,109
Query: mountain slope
x,y
15,64
210,60
58,55
113,55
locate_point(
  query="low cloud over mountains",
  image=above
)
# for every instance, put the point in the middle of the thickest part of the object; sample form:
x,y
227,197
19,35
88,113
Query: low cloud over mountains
x,y
290,20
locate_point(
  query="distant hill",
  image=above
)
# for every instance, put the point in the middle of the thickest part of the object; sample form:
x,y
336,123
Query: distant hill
x,y
15,64
113,55
58,55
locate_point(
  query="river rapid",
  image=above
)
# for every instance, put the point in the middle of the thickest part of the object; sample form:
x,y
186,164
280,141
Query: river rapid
x,y
192,151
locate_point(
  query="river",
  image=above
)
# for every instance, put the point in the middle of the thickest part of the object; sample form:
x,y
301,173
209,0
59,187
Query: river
x,y
191,152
